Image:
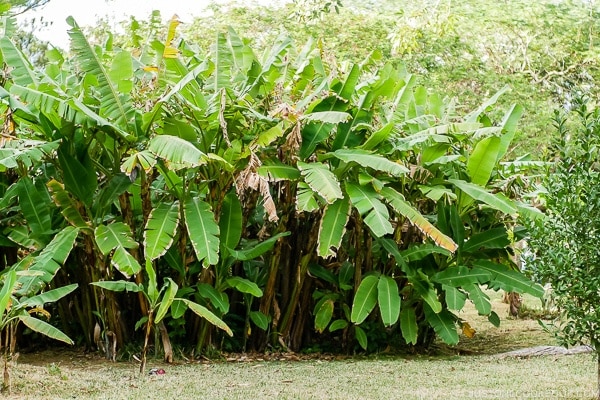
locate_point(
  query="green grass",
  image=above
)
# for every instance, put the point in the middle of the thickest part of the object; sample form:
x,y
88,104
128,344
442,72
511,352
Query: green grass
x,y
479,374
377,377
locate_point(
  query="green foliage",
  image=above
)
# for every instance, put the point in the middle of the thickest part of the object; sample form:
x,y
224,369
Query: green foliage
x,y
564,243
255,190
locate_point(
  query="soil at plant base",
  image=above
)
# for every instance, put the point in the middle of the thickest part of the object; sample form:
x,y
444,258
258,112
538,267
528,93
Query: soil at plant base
x,y
513,333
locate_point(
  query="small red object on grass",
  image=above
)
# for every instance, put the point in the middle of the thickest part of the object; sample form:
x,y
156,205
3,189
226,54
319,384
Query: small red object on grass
x,y
156,371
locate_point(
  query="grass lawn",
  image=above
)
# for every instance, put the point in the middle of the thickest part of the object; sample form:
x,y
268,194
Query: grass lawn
x,y
477,373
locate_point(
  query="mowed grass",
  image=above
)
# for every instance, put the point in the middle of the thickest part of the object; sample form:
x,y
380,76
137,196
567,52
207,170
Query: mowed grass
x,y
478,372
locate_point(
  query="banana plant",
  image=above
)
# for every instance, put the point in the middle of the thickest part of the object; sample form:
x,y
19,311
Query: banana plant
x,y
16,309
159,302
23,294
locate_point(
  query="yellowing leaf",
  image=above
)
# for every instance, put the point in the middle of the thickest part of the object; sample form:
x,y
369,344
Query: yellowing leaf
x,y
170,52
150,68
467,330
40,310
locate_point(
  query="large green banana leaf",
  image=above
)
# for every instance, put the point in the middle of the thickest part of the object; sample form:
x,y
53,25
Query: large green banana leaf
x,y
443,323
496,201
117,237
161,229
321,180
332,228
388,299
44,328
370,160
179,153
34,208
42,268
509,280
375,213
203,230
115,106
365,299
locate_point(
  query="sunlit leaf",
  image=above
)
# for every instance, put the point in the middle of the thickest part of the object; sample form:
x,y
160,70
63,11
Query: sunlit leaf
x,y
365,299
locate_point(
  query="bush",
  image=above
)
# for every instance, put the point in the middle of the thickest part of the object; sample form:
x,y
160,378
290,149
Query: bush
x,y
565,251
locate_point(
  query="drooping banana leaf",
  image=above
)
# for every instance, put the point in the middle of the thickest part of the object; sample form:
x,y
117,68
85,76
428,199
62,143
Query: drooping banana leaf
x,y
219,300
117,234
402,207
321,180
250,252
455,299
424,288
205,313
509,280
420,251
110,192
27,152
460,276
261,320
361,337
496,201
305,198
79,175
408,325
44,328
367,202
22,72
177,152
479,299
496,238
55,108
276,171
119,286
68,207
370,160
231,221
50,296
244,286
166,300
10,278
323,315
443,323
124,262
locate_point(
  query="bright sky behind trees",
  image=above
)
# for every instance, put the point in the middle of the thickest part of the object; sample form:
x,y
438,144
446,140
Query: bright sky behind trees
x,y
89,11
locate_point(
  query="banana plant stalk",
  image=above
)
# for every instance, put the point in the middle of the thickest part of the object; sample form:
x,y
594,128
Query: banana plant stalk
x,y
159,302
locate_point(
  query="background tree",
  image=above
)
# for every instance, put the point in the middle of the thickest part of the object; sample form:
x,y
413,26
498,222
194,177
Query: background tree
x,y
16,7
564,244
